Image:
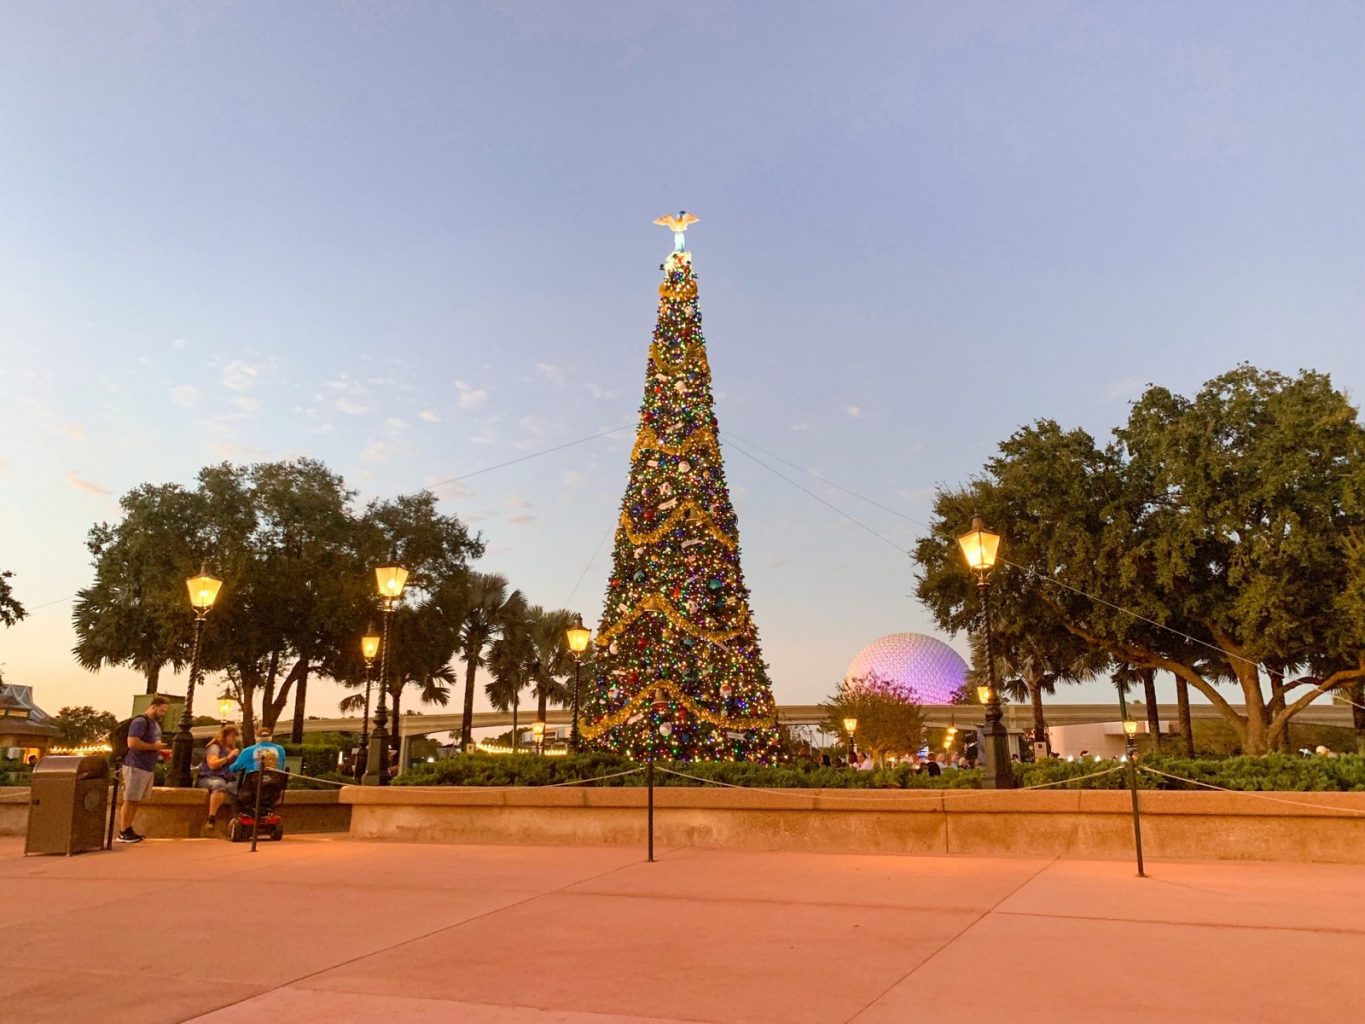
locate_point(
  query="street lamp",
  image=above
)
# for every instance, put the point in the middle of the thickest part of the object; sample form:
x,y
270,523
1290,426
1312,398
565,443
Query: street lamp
x,y
390,579
369,648
850,727
980,547
578,635
203,590
538,731
228,706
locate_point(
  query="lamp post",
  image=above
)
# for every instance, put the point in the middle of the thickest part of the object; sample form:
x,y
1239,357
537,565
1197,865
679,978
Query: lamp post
x,y
1130,728
538,732
203,592
979,547
578,636
850,727
369,647
228,706
391,579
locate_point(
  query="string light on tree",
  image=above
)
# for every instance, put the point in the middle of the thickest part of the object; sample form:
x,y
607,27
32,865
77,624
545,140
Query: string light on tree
x,y
676,639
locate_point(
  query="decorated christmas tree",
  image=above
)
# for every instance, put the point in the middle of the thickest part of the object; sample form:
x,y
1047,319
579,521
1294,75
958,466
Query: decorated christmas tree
x,y
676,641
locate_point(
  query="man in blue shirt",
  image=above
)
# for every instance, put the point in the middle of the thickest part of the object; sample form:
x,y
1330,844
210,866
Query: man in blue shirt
x,y
144,751
262,754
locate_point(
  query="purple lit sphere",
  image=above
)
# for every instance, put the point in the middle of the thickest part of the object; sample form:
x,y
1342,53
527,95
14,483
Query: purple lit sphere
x,y
912,660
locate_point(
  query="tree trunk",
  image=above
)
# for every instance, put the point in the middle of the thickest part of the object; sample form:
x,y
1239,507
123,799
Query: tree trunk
x,y
248,691
1035,692
1254,727
1280,739
542,701
467,719
153,676
1153,712
300,700
1182,699
1355,692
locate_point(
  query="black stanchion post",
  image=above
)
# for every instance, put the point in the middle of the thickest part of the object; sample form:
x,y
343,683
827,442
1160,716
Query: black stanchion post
x,y
113,808
649,785
1130,747
256,818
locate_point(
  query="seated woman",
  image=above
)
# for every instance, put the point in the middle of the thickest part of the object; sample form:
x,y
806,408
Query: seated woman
x,y
215,774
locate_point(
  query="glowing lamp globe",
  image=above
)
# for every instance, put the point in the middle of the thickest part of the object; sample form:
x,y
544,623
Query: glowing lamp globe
x,y
979,547
983,694
203,590
578,636
391,580
227,707
914,663
850,725
369,644
1130,727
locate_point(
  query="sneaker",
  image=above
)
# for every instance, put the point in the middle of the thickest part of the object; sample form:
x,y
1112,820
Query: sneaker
x,y
129,836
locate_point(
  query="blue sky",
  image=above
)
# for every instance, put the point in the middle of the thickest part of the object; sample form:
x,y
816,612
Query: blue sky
x,y
414,241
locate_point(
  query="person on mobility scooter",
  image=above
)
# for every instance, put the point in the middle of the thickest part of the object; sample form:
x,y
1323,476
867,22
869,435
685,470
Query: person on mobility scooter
x,y
260,789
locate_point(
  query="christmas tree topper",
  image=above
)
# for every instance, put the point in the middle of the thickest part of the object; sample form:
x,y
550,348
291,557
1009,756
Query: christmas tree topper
x,y
677,225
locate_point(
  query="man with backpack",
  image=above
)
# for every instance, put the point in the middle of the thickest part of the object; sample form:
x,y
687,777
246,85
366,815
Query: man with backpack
x,y
139,764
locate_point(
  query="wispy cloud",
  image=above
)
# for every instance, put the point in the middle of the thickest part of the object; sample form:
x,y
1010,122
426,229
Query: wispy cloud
x,y
519,520
799,427
598,392
74,479
239,375
350,408
245,403
470,398
517,501
394,424
551,372
376,451
178,344
854,411
429,416
185,395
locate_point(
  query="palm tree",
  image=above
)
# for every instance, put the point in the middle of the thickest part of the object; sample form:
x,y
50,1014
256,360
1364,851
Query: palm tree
x,y
512,663
550,637
488,608
1029,671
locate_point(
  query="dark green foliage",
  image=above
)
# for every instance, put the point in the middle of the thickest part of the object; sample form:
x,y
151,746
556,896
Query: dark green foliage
x,y
14,773
318,759
84,724
1270,772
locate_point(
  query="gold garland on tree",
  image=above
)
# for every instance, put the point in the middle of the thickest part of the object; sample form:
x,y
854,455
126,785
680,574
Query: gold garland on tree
x,y
648,695
679,513
657,603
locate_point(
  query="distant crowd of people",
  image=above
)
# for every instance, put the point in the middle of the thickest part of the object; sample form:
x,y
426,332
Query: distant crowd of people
x,y
927,764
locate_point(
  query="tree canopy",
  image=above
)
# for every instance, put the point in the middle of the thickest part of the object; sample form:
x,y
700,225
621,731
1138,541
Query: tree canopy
x,y
11,611
296,557
1216,537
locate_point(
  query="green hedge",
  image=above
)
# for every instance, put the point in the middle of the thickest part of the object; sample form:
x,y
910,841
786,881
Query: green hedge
x,y
1274,772
15,773
318,759
531,770
1277,772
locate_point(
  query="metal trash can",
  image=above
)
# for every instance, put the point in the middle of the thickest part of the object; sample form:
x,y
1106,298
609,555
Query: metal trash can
x,y
67,805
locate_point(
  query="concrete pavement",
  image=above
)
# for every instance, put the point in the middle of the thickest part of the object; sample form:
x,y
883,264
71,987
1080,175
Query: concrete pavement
x,y
352,931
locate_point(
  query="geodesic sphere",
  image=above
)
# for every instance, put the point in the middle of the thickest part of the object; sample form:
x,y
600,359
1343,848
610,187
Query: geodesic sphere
x,y
927,665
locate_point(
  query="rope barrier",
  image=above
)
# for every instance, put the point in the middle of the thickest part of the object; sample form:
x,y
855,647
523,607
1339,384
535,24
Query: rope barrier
x,y
548,785
1251,792
943,792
